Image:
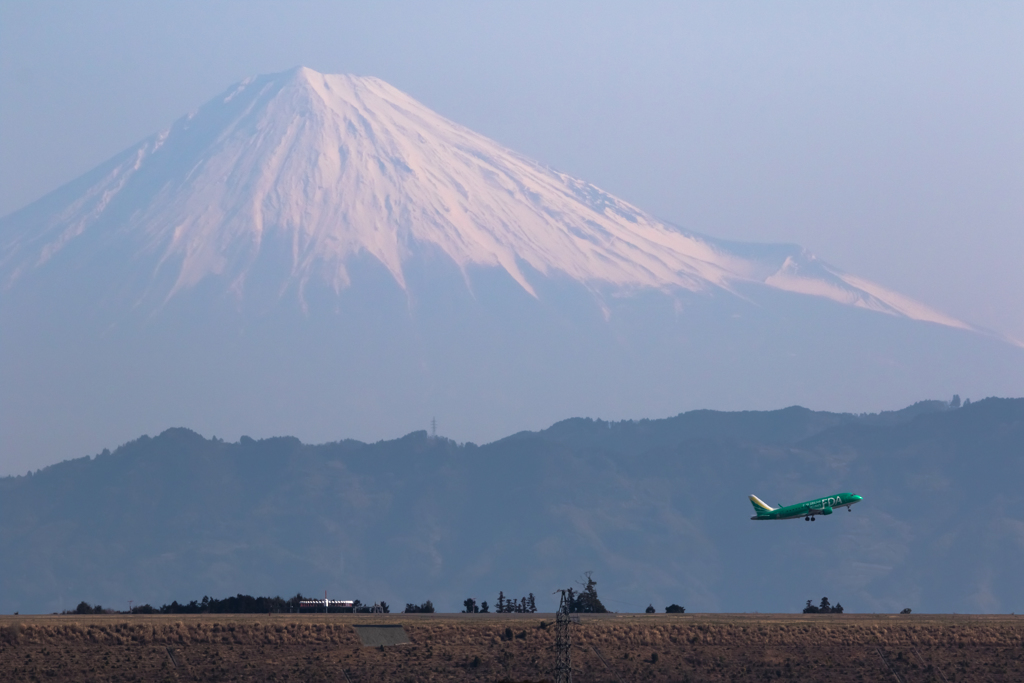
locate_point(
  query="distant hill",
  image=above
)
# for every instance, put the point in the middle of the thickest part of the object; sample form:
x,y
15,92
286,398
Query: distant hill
x,y
656,508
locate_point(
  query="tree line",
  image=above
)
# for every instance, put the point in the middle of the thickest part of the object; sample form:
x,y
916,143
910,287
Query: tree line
x,y
424,608
239,604
584,600
823,608
525,605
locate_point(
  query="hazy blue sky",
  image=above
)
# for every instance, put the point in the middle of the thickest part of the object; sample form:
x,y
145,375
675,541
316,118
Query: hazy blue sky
x,y
886,137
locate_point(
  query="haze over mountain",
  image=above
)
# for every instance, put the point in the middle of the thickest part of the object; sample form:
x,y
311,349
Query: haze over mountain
x,y
656,508
323,255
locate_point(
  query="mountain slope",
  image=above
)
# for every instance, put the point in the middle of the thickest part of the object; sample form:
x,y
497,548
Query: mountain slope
x,y
327,167
656,508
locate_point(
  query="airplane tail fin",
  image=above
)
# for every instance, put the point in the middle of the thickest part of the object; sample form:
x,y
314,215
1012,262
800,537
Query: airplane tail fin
x,y
760,507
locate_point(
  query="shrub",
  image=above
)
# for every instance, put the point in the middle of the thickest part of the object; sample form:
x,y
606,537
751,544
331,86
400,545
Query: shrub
x,y
13,633
674,609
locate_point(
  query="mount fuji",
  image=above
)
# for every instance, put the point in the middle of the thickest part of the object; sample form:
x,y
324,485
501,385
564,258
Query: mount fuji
x,y
323,255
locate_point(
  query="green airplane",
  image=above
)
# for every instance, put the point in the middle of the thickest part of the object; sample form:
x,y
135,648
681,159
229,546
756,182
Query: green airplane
x,y
808,510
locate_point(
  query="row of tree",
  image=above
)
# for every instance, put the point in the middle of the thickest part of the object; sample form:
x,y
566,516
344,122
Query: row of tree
x,y
86,608
823,608
425,608
239,604
584,600
526,605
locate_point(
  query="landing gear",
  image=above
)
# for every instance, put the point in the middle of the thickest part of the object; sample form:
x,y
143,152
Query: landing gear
x,y
807,519
813,518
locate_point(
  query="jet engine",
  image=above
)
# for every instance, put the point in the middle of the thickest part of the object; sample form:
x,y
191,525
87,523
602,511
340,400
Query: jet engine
x,y
826,511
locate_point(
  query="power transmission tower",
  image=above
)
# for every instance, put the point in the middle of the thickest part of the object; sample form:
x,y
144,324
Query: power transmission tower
x,y
563,641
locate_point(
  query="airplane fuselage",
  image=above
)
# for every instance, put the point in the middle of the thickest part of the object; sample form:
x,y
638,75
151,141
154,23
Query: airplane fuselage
x,y
806,510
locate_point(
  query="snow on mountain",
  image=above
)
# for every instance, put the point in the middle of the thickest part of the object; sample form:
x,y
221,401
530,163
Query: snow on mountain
x,y
335,166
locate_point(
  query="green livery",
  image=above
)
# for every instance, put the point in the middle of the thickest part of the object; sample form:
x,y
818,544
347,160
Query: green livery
x,y
808,510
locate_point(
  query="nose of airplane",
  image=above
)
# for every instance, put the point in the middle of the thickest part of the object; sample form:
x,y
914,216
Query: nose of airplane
x,y
858,498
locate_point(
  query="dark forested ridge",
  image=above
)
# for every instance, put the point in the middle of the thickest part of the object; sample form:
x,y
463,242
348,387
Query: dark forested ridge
x,y
656,508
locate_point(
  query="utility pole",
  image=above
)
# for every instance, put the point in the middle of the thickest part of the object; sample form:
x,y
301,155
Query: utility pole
x,y
563,641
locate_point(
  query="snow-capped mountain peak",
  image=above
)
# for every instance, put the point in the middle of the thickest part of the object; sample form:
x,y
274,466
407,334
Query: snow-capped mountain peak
x,y
334,166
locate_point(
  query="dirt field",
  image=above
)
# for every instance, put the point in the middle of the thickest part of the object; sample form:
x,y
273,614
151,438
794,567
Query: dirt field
x,y
699,647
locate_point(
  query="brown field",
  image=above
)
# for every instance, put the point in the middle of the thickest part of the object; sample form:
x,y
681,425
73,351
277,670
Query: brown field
x,y
449,647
